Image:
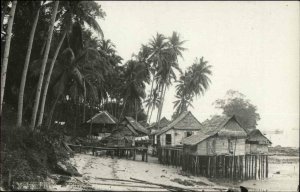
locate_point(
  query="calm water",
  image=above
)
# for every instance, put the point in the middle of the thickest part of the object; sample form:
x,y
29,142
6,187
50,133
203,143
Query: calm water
x,y
287,180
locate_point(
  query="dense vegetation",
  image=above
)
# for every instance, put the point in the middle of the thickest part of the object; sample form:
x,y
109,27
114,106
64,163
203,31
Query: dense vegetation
x,y
57,66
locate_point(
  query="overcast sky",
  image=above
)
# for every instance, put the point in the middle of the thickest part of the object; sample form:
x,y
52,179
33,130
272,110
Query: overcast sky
x,y
252,46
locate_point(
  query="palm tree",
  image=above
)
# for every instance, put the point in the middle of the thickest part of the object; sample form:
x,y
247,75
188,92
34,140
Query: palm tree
x,y
135,76
166,72
25,69
152,102
195,81
67,21
42,71
155,53
4,62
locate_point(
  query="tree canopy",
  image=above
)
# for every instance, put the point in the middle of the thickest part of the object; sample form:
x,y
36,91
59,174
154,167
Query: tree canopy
x,y
236,103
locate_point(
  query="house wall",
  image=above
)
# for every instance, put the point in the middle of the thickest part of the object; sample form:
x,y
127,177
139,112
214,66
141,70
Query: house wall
x,y
202,148
220,146
247,148
258,148
176,135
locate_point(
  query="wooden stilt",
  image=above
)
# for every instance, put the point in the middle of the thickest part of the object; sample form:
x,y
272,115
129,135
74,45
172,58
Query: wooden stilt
x,y
208,167
255,167
263,166
259,166
267,166
224,166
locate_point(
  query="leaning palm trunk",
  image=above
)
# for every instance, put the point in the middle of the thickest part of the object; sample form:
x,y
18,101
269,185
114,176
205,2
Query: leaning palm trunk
x,y
42,108
152,108
45,58
164,88
150,97
160,106
25,69
6,51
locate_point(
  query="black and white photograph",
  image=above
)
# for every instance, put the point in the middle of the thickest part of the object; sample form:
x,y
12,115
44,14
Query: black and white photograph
x,y
199,96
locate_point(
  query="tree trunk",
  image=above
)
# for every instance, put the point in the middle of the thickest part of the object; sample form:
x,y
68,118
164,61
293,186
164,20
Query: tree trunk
x,y
45,91
52,111
162,98
84,100
44,62
25,69
6,51
123,109
150,97
160,106
151,113
136,110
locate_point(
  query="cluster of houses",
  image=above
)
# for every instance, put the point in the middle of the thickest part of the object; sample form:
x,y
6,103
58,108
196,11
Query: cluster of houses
x,y
220,135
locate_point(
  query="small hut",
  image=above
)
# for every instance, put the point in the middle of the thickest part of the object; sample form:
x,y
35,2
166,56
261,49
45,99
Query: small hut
x,y
124,135
219,136
257,143
183,126
100,124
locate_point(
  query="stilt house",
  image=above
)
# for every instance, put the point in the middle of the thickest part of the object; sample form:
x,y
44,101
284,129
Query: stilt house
x,y
218,136
257,143
183,126
101,124
126,132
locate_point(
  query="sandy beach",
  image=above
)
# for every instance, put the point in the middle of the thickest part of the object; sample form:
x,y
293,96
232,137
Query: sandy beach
x,y
97,172
105,173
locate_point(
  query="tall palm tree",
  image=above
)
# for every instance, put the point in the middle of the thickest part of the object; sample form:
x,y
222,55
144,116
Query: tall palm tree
x,y
25,69
135,77
67,22
42,71
195,81
152,102
155,53
166,72
4,61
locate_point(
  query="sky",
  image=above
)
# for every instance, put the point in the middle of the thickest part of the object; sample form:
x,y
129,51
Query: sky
x,y
253,48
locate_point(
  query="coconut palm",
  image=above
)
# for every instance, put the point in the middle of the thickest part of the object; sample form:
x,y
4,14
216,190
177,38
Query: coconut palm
x,y
195,81
67,20
136,75
152,102
42,71
26,64
166,71
155,53
4,61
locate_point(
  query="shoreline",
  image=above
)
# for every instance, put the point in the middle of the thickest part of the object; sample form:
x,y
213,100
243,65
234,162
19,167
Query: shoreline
x,y
104,173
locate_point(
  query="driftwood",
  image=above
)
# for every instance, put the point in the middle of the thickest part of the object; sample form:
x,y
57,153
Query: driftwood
x,y
169,187
126,185
125,180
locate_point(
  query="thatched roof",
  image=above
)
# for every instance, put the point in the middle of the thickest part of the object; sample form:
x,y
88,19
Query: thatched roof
x,y
185,121
144,123
135,125
256,136
163,122
103,117
194,139
224,126
218,125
